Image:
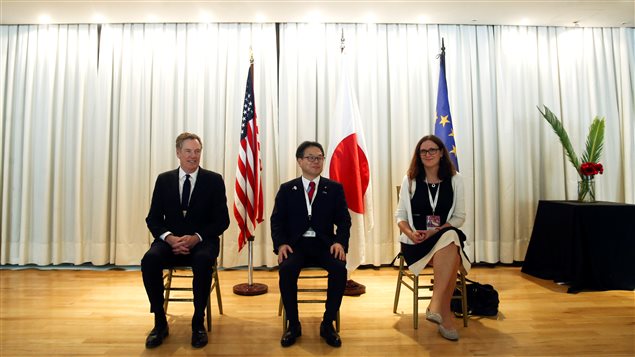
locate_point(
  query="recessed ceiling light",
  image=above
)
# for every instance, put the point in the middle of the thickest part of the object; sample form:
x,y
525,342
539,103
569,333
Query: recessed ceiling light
x,y
205,17
99,19
45,19
260,18
314,17
370,18
152,18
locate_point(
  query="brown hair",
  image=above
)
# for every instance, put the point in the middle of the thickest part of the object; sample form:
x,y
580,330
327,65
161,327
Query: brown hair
x,y
186,136
446,167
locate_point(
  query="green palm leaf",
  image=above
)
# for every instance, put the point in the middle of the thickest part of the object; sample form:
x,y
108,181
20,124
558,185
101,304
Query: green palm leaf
x,y
557,127
595,141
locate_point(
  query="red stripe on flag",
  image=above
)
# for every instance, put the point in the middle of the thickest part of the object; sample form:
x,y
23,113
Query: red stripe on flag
x,y
349,167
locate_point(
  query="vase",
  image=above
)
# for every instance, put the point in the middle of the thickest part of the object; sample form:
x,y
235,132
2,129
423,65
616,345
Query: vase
x,y
586,189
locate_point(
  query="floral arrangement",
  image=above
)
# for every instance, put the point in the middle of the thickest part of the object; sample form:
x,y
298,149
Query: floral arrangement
x,y
591,169
587,166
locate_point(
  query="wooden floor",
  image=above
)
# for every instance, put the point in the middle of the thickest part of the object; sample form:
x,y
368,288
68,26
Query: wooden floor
x,y
105,313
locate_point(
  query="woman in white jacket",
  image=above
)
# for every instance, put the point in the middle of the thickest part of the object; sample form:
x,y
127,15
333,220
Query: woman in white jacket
x,y
431,208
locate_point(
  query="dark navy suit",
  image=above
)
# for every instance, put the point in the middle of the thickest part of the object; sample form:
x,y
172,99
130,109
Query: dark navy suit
x,y
331,222
207,215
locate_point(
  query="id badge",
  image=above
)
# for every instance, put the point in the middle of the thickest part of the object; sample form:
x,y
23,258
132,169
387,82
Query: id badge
x,y
433,222
309,233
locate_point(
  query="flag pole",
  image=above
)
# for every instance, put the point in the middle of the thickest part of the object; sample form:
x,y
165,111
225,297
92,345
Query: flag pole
x,y
443,123
352,288
250,261
442,48
342,42
250,288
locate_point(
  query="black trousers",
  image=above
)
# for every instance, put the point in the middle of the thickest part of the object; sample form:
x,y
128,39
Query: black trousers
x,y
160,256
311,252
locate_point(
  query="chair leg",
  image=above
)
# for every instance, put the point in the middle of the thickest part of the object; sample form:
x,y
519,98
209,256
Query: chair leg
x,y
209,314
337,321
167,289
463,298
285,323
399,282
216,285
415,306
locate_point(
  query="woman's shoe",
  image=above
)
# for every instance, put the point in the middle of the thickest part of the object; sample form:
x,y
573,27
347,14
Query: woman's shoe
x,y
433,317
450,334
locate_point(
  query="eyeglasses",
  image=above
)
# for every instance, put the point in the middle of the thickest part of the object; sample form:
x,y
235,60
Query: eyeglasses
x,y
431,152
314,158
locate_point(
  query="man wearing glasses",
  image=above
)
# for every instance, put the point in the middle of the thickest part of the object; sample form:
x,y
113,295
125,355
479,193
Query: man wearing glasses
x,y
310,226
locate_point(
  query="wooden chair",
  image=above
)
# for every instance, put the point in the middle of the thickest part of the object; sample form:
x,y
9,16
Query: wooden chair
x,y
185,272
411,281
308,274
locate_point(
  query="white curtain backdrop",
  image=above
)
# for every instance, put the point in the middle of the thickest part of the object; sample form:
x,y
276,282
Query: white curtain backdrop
x,y
497,75
84,137
89,118
49,89
167,79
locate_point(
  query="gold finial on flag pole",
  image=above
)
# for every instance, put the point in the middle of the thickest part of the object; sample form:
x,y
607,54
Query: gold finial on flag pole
x,y
251,55
442,48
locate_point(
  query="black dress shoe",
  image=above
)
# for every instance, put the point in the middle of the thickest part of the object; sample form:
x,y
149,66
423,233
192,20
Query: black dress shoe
x,y
354,288
199,338
156,336
327,331
289,336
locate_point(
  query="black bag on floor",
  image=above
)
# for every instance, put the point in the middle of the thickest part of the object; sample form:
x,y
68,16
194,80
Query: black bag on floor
x,y
482,300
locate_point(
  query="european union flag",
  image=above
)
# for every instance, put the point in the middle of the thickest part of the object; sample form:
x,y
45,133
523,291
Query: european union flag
x,y
443,127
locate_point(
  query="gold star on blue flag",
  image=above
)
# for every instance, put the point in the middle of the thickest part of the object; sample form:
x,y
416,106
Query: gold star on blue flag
x,y
443,127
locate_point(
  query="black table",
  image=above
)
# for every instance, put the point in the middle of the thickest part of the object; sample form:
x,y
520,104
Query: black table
x,y
589,246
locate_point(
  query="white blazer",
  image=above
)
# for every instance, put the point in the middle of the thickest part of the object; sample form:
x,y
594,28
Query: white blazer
x,y
456,215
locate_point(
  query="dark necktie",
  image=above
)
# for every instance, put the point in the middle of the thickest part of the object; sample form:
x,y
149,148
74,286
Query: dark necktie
x,y
311,190
185,196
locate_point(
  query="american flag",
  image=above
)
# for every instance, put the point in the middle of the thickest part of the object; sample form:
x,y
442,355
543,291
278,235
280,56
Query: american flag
x,y
248,202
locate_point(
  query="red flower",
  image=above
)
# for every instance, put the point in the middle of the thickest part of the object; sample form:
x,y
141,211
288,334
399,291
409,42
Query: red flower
x,y
591,168
599,167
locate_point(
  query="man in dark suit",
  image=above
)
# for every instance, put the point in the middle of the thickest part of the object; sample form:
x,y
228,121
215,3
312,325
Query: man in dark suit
x,y
187,215
306,212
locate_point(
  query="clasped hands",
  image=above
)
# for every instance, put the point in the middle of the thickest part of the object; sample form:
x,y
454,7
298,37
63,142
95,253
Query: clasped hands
x,y
336,249
419,236
181,245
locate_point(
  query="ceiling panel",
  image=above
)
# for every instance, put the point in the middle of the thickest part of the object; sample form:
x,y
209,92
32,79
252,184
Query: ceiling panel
x,y
586,13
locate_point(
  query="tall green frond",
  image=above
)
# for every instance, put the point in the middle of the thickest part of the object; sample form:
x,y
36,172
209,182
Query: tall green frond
x,y
595,141
557,127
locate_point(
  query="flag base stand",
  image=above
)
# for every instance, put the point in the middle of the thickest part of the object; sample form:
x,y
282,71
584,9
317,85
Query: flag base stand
x,y
250,290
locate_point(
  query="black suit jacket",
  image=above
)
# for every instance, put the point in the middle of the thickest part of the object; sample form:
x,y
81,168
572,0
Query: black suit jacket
x,y
207,213
290,218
